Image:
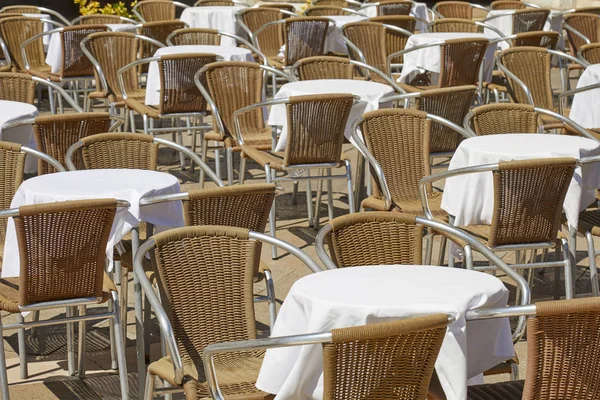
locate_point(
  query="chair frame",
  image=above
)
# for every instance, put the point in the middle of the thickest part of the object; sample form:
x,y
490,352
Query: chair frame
x,y
568,258
162,318
141,18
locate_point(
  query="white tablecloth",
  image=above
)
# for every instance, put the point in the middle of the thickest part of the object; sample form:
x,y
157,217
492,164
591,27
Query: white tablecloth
x,y
429,58
334,42
584,109
122,184
228,53
13,110
366,295
470,198
419,10
370,93
505,25
221,18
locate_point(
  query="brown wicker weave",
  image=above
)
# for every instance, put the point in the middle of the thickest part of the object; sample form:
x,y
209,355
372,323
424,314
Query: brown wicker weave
x,y
371,39
21,9
547,39
12,164
394,7
119,150
392,360
74,62
304,37
316,126
17,87
375,238
334,3
324,67
159,31
324,11
279,6
270,39
399,139
455,9
507,5
454,25
14,32
205,277
395,41
196,36
214,3
590,53
100,19
587,10
54,134
532,66
586,24
495,119
528,199
461,61
563,359
156,10
452,103
529,20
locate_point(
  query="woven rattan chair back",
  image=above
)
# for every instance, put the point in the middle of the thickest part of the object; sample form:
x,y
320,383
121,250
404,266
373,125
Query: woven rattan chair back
x,y
399,141
591,53
12,164
560,344
74,62
586,24
156,10
334,3
17,87
394,7
546,39
304,37
324,11
62,248
3,15
324,67
528,200
269,39
455,9
587,10
507,5
497,119
54,134
396,41
119,150
205,278
316,125
178,91
16,30
114,50
21,9
392,360
233,85
529,20
375,238
158,31
452,103
371,39
214,3
532,66
196,36
279,6
454,25
461,61
100,19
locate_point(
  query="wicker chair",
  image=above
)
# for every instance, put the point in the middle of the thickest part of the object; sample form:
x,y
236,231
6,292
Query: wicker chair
x,y
194,36
396,41
590,53
456,9
75,232
529,20
454,25
16,30
507,5
587,10
214,3
528,203
547,39
279,6
394,7
585,24
338,3
562,363
157,10
197,309
101,19
17,87
312,143
324,11
390,360
158,31
26,9
495,119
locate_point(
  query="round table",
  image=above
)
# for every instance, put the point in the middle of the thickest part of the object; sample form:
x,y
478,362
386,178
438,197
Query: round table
x,y
122,184
227,53
218,17
334,43
366,295
584,110
369,92
428,59
470,198
14,110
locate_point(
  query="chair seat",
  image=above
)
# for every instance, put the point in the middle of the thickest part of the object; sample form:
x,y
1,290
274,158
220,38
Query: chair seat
x,y
264,157
275,62
260,139
44,73
413,207
589,221
497,391
9,293
139,106
236,380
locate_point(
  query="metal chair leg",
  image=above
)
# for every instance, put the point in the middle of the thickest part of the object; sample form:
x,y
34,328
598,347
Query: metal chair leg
x,y
316,220
51,100
309,204
272,299
229,155
592,257
329,196
149,388
295,193
272,213
22,348
122,359
442,252
351,203
243,161
71,342
81,345
113,343
569,261
3,375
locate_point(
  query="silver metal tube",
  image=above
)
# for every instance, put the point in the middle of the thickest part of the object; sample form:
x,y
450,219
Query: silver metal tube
x,y
145,201
69,155
44,157
47,305
290,248
62,321
60,91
